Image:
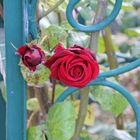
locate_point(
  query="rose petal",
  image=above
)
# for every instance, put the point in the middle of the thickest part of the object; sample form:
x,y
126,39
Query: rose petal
x,y
42,54
58,48
70,81
56,56
95,70
54,67
31,68
21,50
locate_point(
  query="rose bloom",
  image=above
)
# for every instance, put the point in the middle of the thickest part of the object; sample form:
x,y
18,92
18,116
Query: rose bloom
x,y
31,56
74,66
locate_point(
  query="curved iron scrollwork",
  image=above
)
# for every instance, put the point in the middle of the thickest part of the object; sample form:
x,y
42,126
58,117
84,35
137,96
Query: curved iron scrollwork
x,y
96,27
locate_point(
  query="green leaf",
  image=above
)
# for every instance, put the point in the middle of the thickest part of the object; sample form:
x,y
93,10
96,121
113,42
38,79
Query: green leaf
x,y
124,47
132,32
136,4
38,77
110,100
101,48
84,135
33,104
135,50
86,13
126,5
93,4
130,20
52,36
59,90
78,38
51,3
66,26
61,121
34,133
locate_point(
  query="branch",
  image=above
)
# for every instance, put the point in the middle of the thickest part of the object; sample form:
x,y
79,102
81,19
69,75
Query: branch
x,y
112,64
84,94
101,8
31,118
51,9
38,93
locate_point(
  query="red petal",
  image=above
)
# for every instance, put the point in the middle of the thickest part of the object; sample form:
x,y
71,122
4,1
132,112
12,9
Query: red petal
x,y
58,48
21,50
58,55
31,68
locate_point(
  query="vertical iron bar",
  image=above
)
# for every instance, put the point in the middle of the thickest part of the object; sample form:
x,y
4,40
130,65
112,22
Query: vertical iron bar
x,y
15,31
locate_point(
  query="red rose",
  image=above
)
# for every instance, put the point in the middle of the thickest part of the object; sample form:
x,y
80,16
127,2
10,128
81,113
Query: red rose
x,y
31,56
74,66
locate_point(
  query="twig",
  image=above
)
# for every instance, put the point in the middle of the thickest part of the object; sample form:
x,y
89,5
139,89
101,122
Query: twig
x,y
112,64
112,60
38,93
13,46
51,9
29,123
84,94
53,91
101,8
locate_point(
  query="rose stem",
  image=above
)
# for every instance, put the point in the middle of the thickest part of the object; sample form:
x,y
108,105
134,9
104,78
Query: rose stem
x,y
45,98
32,117
99,15
101,7
84,95
37,91
30,94
51,9
53,91
112,64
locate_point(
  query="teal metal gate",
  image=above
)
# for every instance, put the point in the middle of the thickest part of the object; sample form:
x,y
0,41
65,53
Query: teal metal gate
x,y
15,32
19,22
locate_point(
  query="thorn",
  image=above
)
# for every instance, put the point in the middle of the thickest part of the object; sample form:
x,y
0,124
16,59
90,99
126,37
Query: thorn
x,y
13,46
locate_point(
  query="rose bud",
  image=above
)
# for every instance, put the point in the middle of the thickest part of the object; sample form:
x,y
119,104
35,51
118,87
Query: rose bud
x,y
31,56
74,66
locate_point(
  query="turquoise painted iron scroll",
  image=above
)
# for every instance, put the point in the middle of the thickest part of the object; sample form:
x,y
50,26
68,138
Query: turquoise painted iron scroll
x,y
96,27
101,79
